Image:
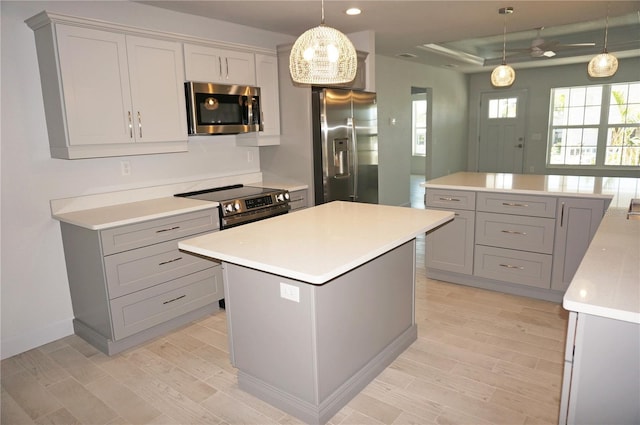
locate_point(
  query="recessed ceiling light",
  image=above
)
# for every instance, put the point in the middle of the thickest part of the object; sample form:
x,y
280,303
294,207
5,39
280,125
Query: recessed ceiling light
x,y
353,11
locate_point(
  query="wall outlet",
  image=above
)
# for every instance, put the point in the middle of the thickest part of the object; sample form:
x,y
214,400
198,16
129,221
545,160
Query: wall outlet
x,y
249,156
125,168
289,292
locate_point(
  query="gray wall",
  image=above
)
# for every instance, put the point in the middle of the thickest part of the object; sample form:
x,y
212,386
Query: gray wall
x,y
448,151
539,82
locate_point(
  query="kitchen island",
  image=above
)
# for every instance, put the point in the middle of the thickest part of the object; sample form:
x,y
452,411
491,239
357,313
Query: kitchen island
x,y
522,234
319,302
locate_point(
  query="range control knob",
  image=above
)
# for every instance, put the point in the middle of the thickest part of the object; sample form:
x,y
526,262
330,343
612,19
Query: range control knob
x,y
279,197
286,196
228,208
236,206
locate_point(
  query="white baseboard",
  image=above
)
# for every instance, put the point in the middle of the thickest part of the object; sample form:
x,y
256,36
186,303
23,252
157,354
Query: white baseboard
x,y
24,342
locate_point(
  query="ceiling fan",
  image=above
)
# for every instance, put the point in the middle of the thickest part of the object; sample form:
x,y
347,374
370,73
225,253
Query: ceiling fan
x,y
541,48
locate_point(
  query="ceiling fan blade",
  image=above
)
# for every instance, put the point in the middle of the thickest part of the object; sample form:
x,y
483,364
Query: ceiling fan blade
x,y
562,46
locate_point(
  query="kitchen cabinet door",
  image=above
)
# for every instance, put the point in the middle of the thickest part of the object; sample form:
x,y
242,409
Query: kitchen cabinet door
x,y
577,220
157,90
108,92
450,246
213,65
267,80
95,84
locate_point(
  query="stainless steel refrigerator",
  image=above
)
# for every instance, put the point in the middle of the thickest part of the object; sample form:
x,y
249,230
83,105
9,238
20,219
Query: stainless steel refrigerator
x,y
345,145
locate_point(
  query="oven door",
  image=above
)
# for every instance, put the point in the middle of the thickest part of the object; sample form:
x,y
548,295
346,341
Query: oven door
x,y
227,222
220,109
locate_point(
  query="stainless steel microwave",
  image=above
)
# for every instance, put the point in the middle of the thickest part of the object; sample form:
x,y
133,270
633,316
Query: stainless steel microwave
x,y
222,109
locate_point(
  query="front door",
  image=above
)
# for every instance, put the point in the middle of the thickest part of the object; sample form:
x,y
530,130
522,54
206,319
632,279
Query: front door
x,y
501,144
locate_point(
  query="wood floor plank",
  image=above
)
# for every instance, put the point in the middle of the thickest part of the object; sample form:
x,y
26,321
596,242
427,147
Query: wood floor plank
x,y
77,365
59,417
126,403
81,403
43,368
11,412
30,395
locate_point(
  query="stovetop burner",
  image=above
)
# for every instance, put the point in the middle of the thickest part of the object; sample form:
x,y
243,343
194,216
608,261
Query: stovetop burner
x,y
226,193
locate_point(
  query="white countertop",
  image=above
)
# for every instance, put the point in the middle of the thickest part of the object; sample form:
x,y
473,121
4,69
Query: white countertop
x,y
607,282
618,189
132,212
320,243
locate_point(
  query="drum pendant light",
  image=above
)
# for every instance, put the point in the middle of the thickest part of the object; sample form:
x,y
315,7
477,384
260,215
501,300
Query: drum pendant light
x,y
323,55
503,75
604,64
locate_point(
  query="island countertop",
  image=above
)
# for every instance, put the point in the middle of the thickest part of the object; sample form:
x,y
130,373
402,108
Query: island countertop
x,y
317,244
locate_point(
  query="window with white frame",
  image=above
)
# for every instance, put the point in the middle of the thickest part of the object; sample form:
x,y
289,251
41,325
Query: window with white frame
x,y
419,125
595,126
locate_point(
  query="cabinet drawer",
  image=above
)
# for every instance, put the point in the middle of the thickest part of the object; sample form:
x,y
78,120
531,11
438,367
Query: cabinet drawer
x,y
524,268
154,231
537,206
142,268
143,309
516,232
450,199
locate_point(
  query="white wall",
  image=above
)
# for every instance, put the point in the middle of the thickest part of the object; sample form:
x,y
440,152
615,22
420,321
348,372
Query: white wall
x,y
447,153
35,304
539,82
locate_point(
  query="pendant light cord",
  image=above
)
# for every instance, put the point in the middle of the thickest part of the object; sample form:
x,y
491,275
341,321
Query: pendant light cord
x,y
322,20
606,29
504,40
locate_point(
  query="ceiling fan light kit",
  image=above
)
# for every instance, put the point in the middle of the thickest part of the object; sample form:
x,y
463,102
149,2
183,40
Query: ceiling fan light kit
x,y
605,64
323,55
503,75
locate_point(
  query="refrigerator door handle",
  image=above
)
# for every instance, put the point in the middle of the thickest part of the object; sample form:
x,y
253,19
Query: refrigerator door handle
x,y
354,154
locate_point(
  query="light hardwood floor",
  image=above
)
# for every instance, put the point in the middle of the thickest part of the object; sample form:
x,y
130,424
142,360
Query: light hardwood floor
x,y
481,358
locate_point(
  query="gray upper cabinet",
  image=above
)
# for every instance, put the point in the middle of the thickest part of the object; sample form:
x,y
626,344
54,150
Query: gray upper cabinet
x,y
576,224
108,92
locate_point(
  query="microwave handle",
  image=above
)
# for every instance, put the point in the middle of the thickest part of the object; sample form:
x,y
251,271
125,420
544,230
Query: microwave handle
x,y
219,66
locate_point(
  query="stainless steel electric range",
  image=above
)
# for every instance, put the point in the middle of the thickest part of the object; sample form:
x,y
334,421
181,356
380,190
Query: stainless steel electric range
x,y
241,204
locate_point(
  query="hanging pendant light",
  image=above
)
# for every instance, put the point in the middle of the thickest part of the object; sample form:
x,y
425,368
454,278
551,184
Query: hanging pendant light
x,y
604,64
323,55
503,75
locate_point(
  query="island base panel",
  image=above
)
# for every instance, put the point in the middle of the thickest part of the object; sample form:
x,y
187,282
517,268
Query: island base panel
x,y
308,349
320,414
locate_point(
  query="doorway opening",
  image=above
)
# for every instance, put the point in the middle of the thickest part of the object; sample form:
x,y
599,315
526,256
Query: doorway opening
x,y
420,142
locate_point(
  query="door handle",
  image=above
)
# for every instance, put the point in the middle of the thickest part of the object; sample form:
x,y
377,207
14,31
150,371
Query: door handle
x,y
519,145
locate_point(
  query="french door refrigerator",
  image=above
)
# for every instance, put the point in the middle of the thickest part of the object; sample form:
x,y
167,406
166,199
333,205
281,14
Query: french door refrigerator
x,y
345,145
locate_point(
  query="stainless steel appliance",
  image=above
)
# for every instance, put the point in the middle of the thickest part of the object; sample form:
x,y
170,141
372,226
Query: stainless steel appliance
x,y
222,109
345,145
241,204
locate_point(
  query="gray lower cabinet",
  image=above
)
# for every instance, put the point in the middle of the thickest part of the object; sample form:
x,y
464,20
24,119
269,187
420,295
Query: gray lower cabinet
x,y
450,247
131,283
601,381
577,222
518,243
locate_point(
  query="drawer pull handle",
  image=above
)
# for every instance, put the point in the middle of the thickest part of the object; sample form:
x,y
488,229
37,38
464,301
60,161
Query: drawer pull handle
x,y
174,299
168,230
449,199
170,261
513,232
514,204
509,266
